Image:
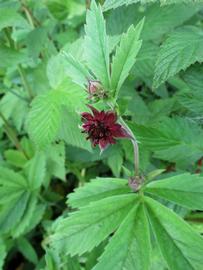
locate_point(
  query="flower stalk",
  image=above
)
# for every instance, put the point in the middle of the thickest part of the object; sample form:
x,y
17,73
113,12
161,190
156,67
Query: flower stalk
x,y
135,146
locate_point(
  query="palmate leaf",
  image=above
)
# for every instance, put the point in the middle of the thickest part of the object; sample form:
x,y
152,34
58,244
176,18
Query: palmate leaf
x,y
182,48
17,202
96,190
180,245
96,44
184,189
88,227
129,248
125,56
172,140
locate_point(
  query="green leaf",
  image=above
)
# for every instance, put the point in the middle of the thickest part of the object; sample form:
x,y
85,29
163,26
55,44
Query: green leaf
x,y
180,245
15,158
134,238
182,48
125,56
70,130
172,140
96,190
17,202
184,189
36,41
26,218
9,17
109,4
36,170
96,44
27,250
44,118
76,70
86,228
11,57
2,253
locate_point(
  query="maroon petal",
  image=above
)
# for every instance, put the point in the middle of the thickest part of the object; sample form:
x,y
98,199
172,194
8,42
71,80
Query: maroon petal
x,y
96,113
120,132
87,116
103,144
110,118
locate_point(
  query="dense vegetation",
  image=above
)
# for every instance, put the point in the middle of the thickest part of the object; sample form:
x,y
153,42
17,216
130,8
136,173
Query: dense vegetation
x,y
101,135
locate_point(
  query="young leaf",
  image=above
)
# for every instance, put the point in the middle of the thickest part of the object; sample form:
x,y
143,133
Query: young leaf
x,y
96,190
180,245
184,189
125,56
96,44
129,248
88,227
182,48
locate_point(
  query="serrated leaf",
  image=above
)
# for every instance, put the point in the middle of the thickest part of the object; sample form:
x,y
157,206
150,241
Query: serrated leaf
x,y
96,44
44,119
96,190
181,246
76,70
88,227
134,238
184,189
125,56
15,202
172,140
70,130
109,4
182,48
26,218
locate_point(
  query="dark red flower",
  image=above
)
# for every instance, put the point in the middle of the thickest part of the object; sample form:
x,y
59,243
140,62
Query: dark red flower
x,y
102,128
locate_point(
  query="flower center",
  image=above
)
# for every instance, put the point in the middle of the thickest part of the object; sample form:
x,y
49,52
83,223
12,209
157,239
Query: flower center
x,y
99,131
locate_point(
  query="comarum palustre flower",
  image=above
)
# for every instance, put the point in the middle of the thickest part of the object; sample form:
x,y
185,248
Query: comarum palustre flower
x,y
102,127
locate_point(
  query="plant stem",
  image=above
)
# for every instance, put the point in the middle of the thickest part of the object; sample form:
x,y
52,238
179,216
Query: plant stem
x,y
88,2
24,81
12,135
135,146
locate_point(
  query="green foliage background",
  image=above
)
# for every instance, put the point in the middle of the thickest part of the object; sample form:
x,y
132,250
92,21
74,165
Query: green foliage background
x,y
148,56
